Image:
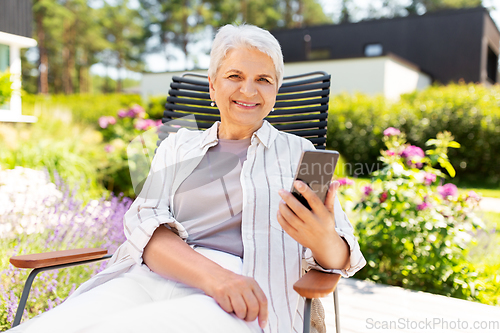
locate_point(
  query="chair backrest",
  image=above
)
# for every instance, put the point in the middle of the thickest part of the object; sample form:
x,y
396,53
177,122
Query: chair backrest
x,y
301,106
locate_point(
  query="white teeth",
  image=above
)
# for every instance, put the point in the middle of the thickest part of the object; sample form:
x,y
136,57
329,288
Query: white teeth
x,y
244,104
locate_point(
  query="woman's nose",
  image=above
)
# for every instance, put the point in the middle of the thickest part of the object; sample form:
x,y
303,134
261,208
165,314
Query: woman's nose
x,y
248,88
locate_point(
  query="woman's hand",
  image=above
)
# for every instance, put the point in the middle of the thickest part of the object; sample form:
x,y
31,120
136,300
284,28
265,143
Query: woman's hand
x,y
315,228
241,295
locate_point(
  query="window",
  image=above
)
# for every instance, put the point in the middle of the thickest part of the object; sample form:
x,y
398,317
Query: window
x,y
373,50
4,58
492,66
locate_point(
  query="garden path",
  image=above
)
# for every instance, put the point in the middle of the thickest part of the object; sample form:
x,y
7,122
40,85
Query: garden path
x,y
366,306
490,204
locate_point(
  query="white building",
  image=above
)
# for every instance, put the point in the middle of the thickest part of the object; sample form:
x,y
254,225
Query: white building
x,y
387,75
15,32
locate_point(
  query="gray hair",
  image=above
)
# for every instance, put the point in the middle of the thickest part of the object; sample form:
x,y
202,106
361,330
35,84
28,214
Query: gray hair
x,y
232,36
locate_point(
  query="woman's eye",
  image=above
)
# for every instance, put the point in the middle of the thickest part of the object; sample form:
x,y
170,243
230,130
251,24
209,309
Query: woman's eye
x,y
263,79
234,76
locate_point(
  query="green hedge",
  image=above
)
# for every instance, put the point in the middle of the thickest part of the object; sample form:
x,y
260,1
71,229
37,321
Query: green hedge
x,y
85,108
470,111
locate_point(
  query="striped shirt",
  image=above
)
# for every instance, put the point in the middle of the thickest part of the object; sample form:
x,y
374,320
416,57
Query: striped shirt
x,y
271,256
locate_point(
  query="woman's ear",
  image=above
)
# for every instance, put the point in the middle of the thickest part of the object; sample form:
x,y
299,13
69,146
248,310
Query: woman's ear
x,y
211,89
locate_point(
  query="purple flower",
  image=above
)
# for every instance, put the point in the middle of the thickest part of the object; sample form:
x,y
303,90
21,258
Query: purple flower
x,y
447,190
367,190
345,181
383,197
391,131
429,178
424,205
104,121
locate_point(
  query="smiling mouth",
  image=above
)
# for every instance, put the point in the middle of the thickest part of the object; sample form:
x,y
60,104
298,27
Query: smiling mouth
x,y
246,104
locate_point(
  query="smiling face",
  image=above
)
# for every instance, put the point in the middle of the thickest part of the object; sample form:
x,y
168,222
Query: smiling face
x,y
245,90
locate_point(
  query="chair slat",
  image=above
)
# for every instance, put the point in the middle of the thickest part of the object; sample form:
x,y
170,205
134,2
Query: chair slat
x,y
323,85
177,85
185,93
169,115
310,94
321,78
315,101
288,127
301,110
190,101
311,117
307,133
190,81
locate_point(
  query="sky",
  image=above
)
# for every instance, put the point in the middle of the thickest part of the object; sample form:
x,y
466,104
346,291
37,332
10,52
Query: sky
x,y
158,63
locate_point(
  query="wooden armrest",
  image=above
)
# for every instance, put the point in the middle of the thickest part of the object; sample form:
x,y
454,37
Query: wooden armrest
x,y
46,259
316,284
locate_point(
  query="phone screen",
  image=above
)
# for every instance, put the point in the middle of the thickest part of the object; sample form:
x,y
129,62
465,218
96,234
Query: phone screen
x,y
316,169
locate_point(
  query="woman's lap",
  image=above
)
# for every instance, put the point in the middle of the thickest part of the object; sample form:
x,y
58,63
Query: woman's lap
x,y
137,301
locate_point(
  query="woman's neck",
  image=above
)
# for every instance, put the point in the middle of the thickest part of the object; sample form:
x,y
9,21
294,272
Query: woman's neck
x,y
236,133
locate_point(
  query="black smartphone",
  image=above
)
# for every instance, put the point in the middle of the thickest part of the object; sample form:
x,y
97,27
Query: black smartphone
x,y
316,169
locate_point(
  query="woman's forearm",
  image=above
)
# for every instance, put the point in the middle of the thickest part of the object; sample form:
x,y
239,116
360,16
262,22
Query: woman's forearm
x,y
169,256
333,255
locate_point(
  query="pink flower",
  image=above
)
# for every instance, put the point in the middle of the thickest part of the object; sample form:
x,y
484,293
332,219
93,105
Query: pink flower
x,y
109,149
136,111
429,178
413,156
104,121
383,197
367,190
145,124
447,190
424,205
391,131
345,181
122,113
473,196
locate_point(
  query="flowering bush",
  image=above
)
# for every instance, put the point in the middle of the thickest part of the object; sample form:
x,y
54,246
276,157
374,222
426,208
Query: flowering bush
x,y
39,216
118,132
411,235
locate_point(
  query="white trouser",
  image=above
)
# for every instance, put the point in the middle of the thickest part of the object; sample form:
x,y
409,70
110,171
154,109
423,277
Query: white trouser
x,y
142,301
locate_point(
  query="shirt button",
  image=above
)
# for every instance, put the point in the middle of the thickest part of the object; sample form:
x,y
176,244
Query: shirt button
x,y
249,237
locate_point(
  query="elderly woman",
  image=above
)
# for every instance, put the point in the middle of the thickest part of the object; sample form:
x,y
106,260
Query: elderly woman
x,y
212,248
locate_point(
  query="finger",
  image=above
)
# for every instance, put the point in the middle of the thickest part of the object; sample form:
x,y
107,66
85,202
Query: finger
x,y
252,305
263,311
331,195
239,305
289,229
289,216
293,204
308,194
225,303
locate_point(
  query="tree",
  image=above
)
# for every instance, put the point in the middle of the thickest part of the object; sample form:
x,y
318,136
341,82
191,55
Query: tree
x,y
125,35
